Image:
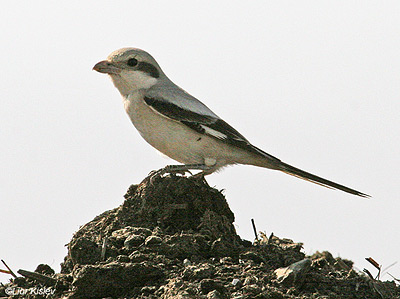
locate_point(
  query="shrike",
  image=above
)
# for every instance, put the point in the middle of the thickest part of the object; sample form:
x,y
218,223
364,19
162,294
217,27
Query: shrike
x,y
182,127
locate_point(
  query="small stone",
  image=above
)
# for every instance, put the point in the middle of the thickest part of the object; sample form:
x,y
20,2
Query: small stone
x,y
187,262
153,240
235,281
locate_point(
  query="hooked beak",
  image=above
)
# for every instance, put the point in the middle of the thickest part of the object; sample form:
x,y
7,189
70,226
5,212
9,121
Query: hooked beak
x,y
107,67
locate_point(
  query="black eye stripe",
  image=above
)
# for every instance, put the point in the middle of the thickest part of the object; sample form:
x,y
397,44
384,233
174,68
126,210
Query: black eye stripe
x,y
132,62
149,69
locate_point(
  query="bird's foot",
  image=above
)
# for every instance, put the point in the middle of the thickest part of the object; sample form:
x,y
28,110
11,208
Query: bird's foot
x,y
200,177
174,169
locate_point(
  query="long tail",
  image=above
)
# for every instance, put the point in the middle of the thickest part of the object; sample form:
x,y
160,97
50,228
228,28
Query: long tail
x,y
316,179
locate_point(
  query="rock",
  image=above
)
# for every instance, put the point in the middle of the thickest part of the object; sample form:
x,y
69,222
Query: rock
x,y
198,272
227,260
220,248
145,232
123,258
236,282
182,245
294,273
137,257
214,295
113,279
250,280
208,285
187,262
133,241
148,289
153,240
44,269
251,255
84,251
251,289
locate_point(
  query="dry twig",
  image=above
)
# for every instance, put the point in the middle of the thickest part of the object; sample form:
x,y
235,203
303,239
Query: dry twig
x,y
254,228
10,271
376,265
103,249
46,280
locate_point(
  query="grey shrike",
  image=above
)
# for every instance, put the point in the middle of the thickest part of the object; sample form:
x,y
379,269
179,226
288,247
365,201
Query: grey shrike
x,y
182,127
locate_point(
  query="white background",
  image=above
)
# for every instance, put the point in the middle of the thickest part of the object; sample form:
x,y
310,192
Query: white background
x,y
315,83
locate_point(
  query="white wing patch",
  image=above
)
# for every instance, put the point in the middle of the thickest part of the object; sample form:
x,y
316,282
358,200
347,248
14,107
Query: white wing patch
x,y
213,132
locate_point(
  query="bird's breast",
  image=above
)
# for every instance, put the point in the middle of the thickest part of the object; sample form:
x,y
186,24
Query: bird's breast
x,y
168,136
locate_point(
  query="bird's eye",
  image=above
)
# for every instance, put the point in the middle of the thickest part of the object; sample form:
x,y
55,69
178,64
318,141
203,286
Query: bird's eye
x,y
132,62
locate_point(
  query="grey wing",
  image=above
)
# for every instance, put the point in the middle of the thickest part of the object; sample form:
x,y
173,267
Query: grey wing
x,y
207,124
168,91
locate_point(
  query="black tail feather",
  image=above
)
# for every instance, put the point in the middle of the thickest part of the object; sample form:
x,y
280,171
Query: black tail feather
x,y
316,179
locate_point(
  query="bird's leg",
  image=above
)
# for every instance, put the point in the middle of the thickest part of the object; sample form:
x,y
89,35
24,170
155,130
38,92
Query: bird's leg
x,y
182,168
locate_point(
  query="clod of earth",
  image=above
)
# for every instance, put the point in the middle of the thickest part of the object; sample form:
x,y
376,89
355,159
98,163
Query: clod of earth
x,y
174,238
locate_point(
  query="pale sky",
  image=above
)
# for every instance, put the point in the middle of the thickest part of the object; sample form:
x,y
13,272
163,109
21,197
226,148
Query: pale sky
x,y
314,83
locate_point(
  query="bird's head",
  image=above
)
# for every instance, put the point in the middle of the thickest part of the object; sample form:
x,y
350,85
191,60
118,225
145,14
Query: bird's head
x,y
130,69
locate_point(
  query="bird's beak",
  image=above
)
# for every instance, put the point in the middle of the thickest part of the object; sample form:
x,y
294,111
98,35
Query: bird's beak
x,y
107,67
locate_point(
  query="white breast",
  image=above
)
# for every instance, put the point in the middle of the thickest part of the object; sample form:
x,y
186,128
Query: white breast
x,y
168,136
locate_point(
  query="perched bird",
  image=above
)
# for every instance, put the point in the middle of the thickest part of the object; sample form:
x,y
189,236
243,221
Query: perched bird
x,y
182,127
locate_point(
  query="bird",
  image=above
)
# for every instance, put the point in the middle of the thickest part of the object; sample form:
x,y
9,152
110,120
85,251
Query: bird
x,y
183,128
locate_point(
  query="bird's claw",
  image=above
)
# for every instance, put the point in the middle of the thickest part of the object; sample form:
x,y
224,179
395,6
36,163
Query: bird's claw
x,y
170,169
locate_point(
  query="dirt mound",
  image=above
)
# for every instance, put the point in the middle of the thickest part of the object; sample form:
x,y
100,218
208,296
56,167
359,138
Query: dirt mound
x,y
174,238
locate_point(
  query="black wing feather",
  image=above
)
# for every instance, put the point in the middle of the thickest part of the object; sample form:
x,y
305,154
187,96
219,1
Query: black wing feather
x,y
177,113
